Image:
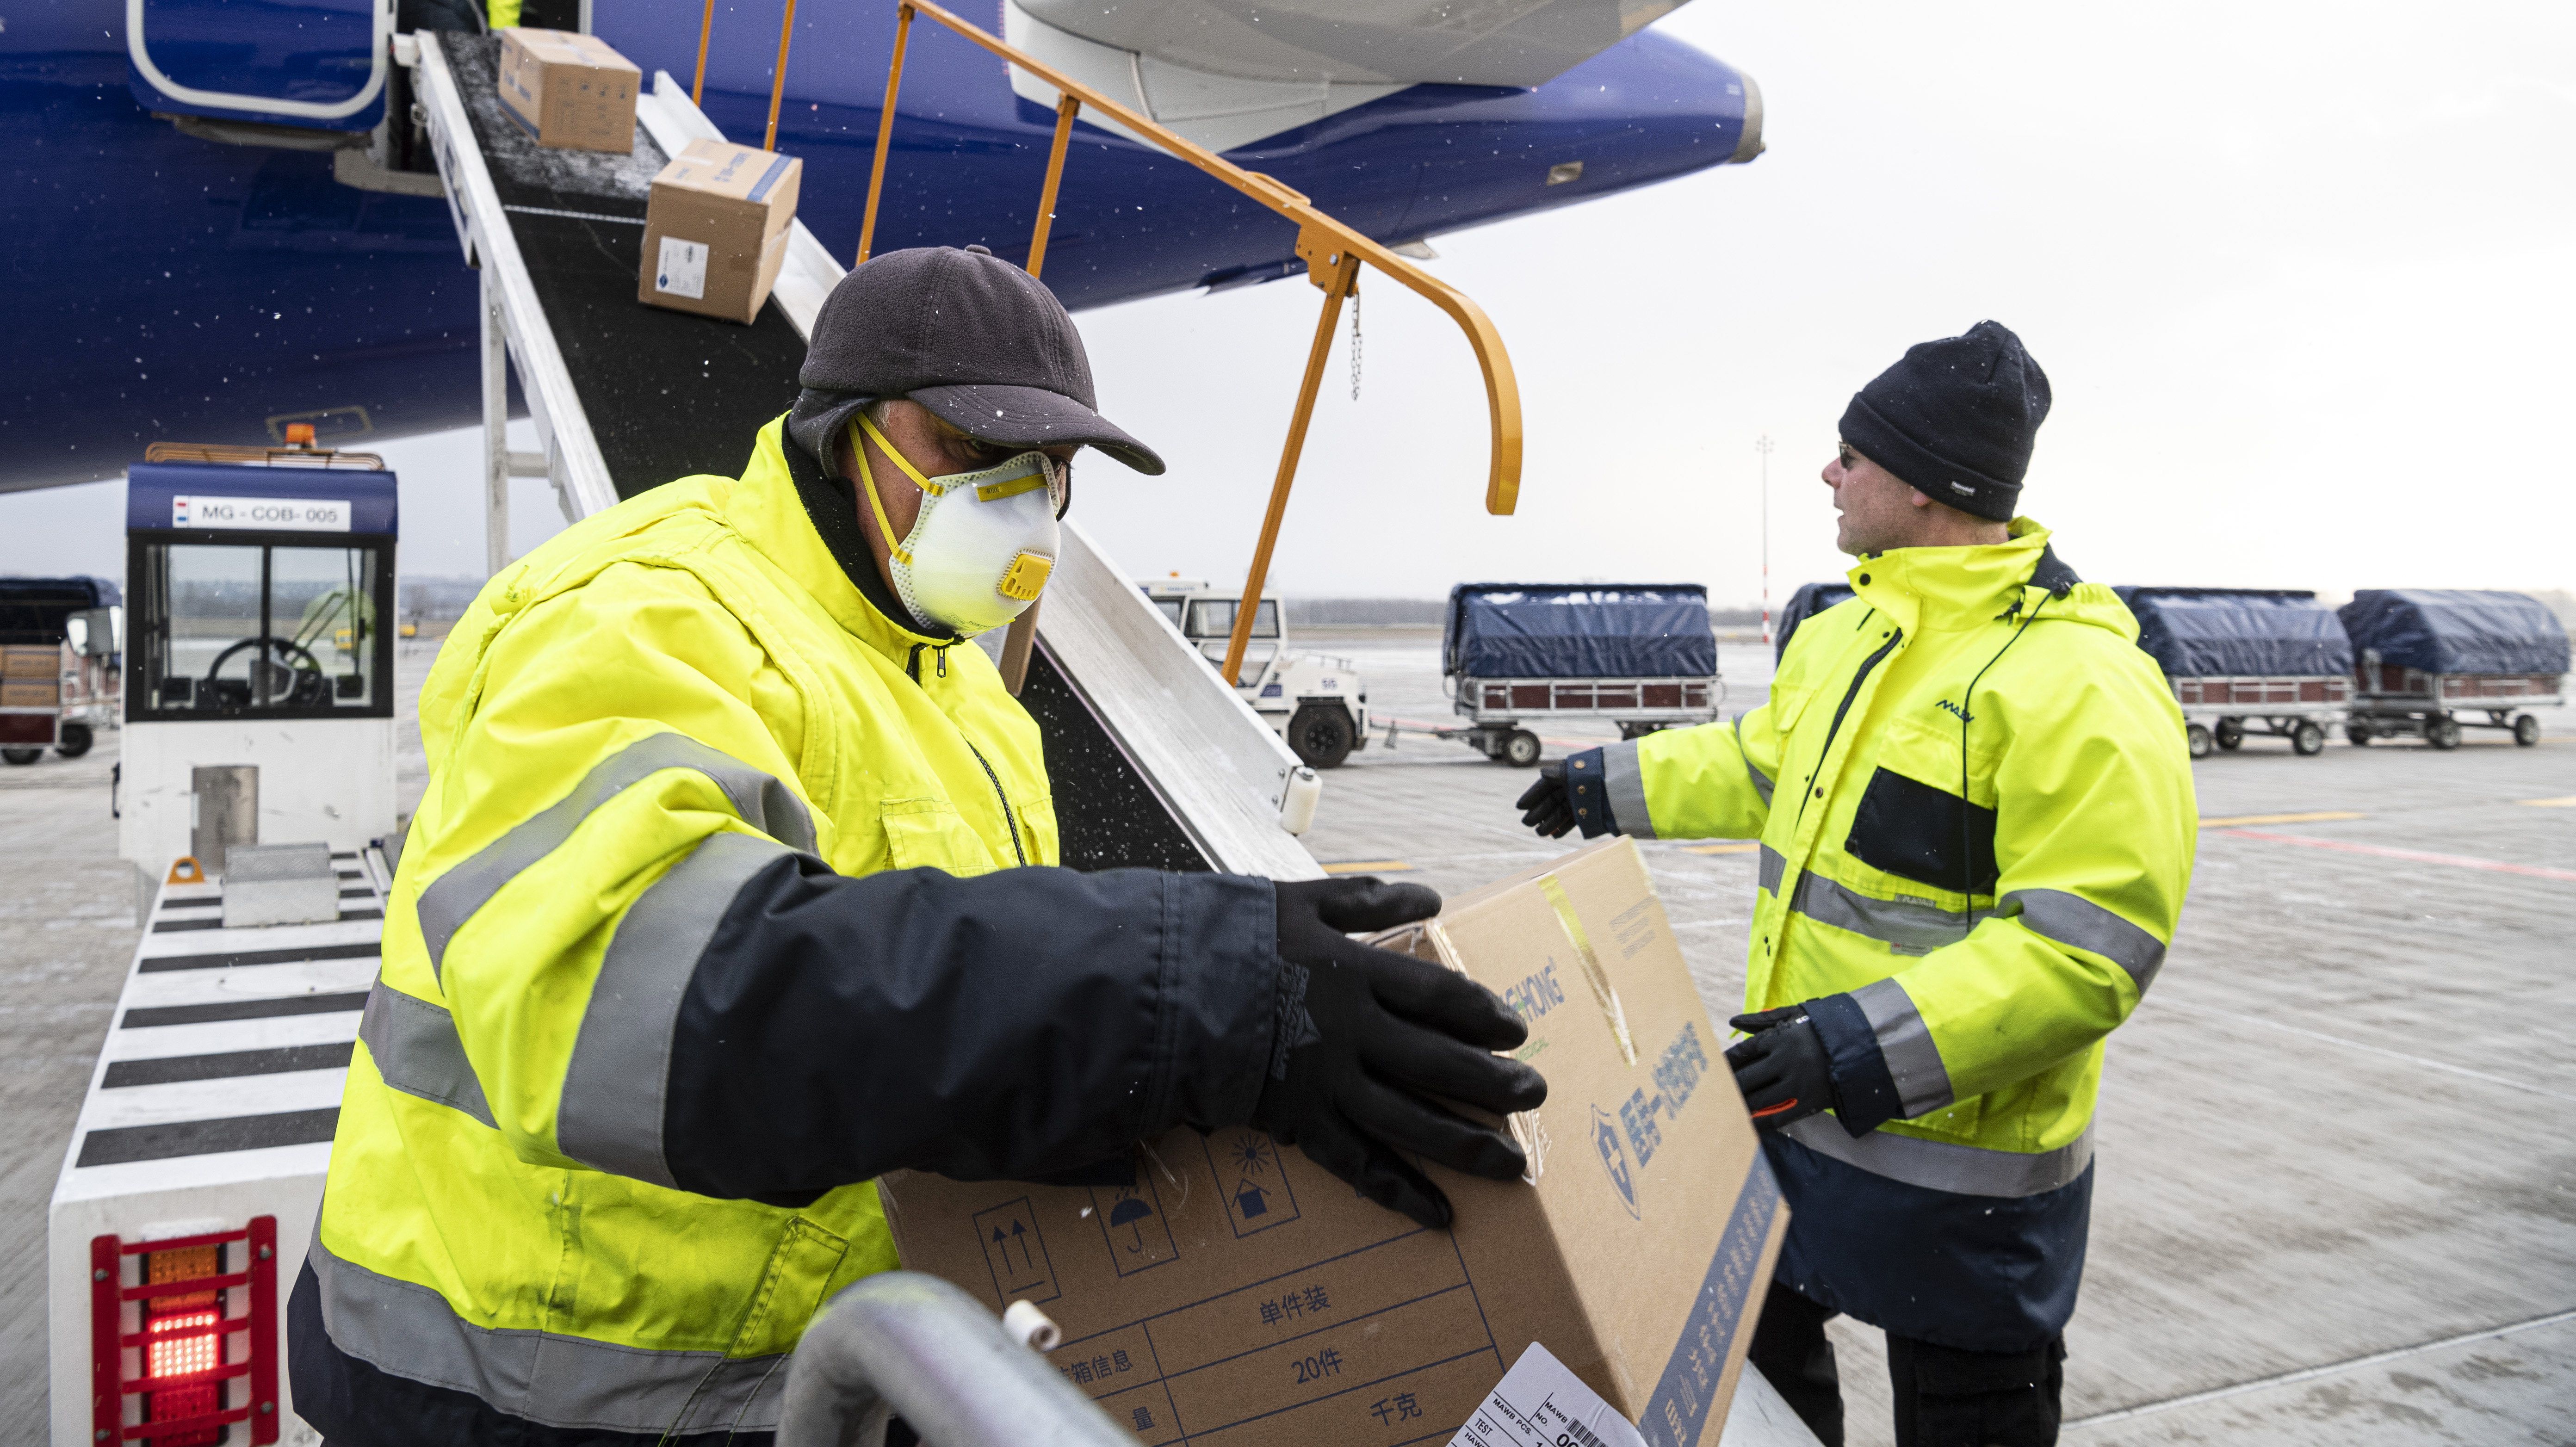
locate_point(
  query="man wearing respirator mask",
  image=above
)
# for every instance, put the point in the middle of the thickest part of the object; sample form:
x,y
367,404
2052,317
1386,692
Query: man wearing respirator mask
x,y
731,890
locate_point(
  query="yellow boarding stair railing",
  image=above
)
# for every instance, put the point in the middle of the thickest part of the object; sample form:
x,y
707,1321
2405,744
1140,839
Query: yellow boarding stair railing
x,y
1333,253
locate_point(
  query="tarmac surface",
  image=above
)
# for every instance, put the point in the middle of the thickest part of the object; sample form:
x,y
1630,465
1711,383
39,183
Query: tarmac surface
x,y
2337,1200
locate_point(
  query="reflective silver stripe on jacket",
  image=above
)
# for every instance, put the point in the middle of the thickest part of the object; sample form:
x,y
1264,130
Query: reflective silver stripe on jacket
x,y
2071,920
1943,1166
759,799
1922,1081
1761,785
1914,925
1623,783
411,1332
610,1114
415,1048
1773,868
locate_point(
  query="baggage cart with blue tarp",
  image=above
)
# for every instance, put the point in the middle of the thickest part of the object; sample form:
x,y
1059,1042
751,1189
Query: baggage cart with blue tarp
x,y
2433,661
2276,659
1639,655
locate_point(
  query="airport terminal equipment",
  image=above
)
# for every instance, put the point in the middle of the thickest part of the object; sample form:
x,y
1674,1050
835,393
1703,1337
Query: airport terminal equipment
x,y
1315,700
2434,661
1640,655
257,578
191,1181
59,676
1810,600
2278,658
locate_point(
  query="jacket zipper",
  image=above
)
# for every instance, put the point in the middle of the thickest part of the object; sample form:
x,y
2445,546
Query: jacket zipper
x,y
1836,727
1008,818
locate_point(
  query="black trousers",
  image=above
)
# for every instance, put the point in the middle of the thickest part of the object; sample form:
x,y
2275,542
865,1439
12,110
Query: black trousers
x,y
1945,1397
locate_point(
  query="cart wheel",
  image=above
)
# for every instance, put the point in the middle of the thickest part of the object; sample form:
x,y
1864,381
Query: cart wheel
x,y
2526,730
76,741
2197,738
2307,738
2231,733
1638,730
22,756
2359,734
1521,749
1321,735
2442,733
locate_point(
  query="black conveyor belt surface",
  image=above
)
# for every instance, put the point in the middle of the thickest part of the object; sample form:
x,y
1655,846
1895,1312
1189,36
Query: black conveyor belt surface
x,y
668,394
1107,816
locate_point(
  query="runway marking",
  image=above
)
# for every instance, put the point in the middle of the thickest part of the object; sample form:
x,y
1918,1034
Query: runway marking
x,y
2420,856
1369,866
2567,803
2307,1374
2324,817
1719,848
2319,1035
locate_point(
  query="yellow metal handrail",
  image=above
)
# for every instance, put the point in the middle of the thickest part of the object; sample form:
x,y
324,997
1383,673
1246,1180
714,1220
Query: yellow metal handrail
x,y
1332,251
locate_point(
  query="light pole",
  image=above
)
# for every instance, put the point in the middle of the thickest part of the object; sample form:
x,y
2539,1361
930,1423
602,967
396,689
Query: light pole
x,y
1762,445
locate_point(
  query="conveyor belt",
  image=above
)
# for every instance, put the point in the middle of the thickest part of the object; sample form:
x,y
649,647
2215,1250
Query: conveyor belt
x,y
667,394
1152,760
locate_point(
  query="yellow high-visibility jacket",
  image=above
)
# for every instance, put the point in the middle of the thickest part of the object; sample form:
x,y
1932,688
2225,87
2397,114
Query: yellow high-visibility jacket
x,y
1977,824
712,912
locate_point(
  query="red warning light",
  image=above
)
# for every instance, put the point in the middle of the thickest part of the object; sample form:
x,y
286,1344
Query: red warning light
x,y
167,1349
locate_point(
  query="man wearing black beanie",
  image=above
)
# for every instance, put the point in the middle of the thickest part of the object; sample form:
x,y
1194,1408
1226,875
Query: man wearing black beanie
x,y
1977,825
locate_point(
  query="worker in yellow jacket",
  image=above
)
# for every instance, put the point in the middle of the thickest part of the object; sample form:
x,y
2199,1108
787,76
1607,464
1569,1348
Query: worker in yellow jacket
x,y
735,886
1976,824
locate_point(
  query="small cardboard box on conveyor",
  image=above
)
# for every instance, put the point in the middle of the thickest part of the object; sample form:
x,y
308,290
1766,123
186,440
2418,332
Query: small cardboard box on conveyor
x,y
716,229
1234,1292
569,90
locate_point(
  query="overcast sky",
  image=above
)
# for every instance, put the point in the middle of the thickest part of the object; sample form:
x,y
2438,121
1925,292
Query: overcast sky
x,y
2304,279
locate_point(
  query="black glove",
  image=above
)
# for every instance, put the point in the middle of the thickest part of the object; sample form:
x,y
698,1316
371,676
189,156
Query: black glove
x,y
1366,1037
1782,1068
1545,805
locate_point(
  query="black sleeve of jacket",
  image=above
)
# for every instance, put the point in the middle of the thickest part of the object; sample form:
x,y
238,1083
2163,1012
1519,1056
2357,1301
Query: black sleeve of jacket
x,y
1021,1023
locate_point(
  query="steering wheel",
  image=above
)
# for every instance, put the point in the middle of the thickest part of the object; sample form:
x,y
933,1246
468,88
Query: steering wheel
x,y
293,677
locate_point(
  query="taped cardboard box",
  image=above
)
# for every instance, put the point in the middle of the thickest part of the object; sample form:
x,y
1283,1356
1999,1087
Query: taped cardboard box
x,y
24,661
568,89
716,229
1234,1293
30,693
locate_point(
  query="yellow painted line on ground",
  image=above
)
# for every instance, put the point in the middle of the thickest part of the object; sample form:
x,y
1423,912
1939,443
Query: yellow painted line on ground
x,y
1720,848
2567,803
2323,817
1369,866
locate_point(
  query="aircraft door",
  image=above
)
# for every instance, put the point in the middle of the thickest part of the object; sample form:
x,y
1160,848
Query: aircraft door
x,y
317,64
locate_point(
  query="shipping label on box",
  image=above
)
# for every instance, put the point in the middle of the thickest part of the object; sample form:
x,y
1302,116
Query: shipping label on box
x,y
716,229
568,89
1232,1292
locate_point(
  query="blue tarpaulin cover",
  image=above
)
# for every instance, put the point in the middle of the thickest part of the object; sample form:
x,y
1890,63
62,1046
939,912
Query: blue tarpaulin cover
x,y
2457,630
1810,600
1578,630
2238,632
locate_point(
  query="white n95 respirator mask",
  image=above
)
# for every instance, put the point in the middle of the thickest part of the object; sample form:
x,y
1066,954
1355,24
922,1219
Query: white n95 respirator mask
x,y
980,552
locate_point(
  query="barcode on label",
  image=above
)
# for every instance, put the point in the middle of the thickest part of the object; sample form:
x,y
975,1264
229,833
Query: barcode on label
x,y
1582,1435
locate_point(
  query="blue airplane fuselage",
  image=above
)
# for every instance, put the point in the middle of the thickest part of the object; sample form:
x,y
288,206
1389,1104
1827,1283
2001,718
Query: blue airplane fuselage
x,y
167,286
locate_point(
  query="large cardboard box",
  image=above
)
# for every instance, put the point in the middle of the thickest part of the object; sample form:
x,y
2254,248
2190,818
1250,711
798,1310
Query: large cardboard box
x,y
1233,1293
569,89
716,229
30,693
21,660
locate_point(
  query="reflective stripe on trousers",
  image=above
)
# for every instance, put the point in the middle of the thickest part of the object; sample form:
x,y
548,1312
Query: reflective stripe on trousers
x,y
1961,1170
411,1332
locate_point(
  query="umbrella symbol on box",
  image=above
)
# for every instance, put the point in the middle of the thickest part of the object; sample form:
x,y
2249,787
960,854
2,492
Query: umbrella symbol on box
x,y
1127,1213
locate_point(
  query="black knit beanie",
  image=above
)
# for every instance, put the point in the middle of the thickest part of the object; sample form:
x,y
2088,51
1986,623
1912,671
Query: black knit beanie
x,y
1954,420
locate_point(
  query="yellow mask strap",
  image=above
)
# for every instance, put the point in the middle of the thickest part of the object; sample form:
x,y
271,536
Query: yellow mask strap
x,y
868,481
901,461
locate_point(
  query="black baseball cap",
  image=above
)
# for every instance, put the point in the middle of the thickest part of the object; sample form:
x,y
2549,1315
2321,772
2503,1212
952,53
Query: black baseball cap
x,y
980,342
